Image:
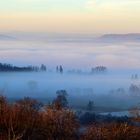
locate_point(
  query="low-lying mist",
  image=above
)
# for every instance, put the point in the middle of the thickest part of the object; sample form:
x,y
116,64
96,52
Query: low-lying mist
x,y
111,89
119,87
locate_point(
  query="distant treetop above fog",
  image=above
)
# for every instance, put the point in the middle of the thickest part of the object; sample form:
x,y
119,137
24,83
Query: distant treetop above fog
x,y
11,68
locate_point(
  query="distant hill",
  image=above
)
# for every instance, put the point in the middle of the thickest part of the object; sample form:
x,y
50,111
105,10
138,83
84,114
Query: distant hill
x,y
6,37
132,37
69,37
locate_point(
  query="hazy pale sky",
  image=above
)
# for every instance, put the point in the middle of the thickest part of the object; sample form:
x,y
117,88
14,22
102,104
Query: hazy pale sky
x,y
90,16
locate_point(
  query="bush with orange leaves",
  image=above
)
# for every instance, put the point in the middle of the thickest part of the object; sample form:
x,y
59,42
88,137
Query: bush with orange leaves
x,y
18,120
59,124
112,131
27,119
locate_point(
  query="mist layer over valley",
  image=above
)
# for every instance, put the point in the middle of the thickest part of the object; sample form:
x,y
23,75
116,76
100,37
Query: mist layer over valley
x,y
118,87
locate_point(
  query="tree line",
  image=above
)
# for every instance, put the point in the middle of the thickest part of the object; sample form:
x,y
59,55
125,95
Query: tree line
x,y
4,67
99,69
10,68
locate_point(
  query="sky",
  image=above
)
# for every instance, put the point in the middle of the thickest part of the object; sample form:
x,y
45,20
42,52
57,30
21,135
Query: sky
x,y
85,16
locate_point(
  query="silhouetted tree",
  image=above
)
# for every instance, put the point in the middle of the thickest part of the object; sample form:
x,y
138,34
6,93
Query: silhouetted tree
x,y
57,69
43,67
134,90
90,106
61,99
61,69
98,69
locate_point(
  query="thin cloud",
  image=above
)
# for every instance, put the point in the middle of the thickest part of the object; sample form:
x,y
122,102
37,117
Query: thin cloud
x,y
94,3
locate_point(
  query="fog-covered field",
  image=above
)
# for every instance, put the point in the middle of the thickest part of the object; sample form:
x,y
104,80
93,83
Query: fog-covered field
x,y
105,89
83,52
108,89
